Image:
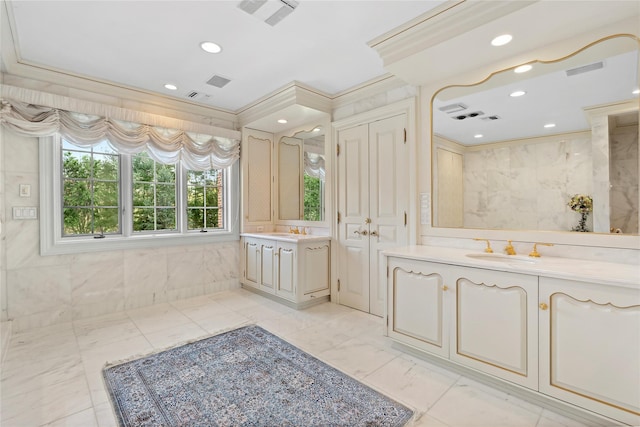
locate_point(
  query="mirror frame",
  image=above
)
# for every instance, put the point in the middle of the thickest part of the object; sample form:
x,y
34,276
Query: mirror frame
x,y
326,125
556,237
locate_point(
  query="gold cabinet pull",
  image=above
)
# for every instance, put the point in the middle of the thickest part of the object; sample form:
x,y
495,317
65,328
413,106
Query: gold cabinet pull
x,y
445,288
374,233
543,306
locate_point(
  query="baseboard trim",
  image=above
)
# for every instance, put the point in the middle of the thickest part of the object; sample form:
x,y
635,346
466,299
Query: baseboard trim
x,y
291,304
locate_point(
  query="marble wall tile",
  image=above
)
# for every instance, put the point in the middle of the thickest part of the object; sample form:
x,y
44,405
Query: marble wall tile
x,y
185,267
521,180
222,262
21,155
3,295
38,290
97,278
145,272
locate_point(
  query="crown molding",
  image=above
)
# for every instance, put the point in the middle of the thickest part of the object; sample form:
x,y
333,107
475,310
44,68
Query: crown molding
x,y
436,26
293,94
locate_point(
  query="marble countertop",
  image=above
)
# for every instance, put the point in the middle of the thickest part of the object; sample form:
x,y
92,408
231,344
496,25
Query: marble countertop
x,y
288,237
609,273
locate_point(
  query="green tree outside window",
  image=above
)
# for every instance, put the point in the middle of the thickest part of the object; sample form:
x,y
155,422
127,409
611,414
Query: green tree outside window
x,y
91,189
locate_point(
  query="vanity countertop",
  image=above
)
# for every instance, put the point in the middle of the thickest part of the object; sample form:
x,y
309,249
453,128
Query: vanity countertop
x,y
288,237
617,274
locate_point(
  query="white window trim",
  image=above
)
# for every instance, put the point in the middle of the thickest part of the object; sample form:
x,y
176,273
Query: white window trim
x,y
52,242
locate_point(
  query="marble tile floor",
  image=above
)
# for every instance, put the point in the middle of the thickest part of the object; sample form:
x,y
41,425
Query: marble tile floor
x,y
52,376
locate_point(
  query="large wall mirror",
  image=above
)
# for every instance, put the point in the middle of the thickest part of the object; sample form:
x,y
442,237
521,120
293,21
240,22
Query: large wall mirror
x,y
511,152
301,176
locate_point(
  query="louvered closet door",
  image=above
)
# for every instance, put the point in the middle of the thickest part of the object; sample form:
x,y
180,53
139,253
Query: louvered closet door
x,y
373,199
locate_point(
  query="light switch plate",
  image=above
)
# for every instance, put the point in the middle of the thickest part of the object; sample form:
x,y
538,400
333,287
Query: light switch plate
x,y
25,212
25,190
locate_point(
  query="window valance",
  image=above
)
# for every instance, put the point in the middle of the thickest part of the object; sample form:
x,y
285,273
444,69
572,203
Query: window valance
x,y
167,145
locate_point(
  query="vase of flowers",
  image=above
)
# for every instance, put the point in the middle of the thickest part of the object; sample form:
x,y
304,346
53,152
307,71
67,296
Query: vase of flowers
x,y
583,204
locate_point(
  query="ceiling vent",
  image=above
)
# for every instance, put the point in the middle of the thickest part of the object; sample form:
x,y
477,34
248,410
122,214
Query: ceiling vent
x,y
452,108
470,115
198,96
585,69
250,6
269,11
218,81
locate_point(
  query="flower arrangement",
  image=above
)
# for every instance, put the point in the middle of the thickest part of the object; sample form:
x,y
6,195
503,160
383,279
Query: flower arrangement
x,y
583,204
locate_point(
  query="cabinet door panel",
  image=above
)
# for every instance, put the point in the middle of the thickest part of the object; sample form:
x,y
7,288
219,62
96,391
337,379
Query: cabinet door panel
x,y
496,324
417,305
315,269
286,272
483,311
267,253
590,347
252,262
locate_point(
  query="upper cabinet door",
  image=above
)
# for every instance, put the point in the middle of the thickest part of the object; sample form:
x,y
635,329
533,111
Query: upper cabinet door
x,y
257,154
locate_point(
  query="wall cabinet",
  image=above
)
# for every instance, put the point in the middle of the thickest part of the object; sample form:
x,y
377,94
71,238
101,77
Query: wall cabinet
x,y
295,272
575,341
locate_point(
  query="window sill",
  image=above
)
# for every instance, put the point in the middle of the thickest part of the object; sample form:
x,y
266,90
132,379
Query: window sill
x,y
71,245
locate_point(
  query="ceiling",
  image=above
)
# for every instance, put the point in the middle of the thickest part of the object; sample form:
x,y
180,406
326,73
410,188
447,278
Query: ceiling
x,y
147,44
558,93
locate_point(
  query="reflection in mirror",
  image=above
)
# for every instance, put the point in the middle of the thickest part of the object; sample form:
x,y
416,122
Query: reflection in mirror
x,y
513,161
301,176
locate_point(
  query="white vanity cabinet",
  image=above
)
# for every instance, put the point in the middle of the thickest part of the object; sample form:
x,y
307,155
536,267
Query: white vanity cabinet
x,y
495,323
525,324
590,346
483,319
292,269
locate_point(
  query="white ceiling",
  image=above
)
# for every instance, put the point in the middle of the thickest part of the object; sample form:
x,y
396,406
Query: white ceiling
x,y
145,44
551,97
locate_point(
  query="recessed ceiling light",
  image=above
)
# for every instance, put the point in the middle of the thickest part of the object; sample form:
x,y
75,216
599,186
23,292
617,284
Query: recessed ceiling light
x,y
501,40
550,125
211,47
170,86
523,68
283,121
636,92
517,93
478,135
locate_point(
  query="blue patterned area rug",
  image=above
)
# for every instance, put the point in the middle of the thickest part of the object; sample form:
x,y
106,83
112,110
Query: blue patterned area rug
x,y
245,377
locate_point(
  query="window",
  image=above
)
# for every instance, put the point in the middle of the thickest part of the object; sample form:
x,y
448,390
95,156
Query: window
x,y
91,190
205,200
154,194
94,198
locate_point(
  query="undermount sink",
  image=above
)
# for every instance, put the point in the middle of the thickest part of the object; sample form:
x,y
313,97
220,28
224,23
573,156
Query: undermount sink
x,y
507,259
